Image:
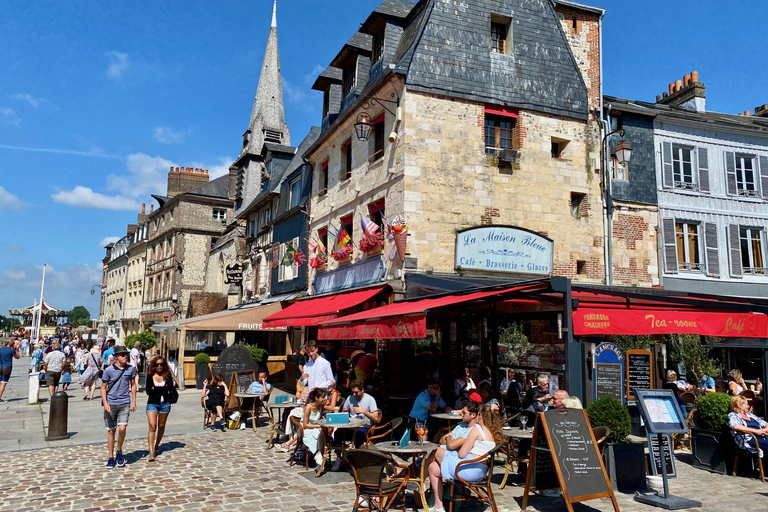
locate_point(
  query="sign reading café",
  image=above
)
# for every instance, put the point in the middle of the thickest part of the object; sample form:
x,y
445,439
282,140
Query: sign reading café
x,y
503,249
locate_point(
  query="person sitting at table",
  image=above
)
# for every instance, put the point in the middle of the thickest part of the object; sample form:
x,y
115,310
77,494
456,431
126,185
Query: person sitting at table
x,y
456,437
361,406
538,397
428,402
736,382
484,434
558,397
485,375
464,383
681,384
260,385
707,384
720,386
332,400
486,393
571,402
743,422
218,394
313,438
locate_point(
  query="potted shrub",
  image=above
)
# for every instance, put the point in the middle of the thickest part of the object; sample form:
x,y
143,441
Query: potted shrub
x,y
710,438
202,360
624,460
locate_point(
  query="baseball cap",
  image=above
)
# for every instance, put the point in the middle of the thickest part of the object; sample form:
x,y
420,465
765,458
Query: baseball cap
x,y
475,397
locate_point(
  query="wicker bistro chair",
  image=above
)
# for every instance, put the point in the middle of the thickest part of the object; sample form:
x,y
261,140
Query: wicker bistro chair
x,y
381,431
601,434
746,453
481,488
207,414
299,446
368,469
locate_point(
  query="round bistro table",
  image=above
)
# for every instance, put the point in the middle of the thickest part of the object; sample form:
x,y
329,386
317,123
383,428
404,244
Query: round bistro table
x,y
281,409
446,420
412,448
254,408
511,434
341,445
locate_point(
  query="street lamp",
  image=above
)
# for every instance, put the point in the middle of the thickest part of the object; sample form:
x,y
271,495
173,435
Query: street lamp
x,y
363,125
623,154
93,288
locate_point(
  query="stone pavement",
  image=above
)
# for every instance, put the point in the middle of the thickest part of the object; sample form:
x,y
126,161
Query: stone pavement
x,y
205,470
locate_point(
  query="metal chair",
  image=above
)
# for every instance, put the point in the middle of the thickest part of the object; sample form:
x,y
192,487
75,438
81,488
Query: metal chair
x,y
601,434
299,446
371,481
482,488
381,431
741,452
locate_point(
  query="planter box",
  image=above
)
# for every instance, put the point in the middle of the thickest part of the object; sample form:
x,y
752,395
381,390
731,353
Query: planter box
x,y
709,450
625,464
201,373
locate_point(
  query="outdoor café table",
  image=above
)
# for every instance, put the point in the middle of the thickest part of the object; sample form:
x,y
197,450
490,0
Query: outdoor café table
x,y
511,434
341,445
254,408
446,419
412,448
284,407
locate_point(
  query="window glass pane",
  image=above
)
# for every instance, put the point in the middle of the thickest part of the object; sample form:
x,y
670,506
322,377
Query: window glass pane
x,y
693,245
680,238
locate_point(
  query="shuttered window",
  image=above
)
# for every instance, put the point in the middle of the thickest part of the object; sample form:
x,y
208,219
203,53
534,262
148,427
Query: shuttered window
x,y
712,250
751,250
741,174
687,239
682,167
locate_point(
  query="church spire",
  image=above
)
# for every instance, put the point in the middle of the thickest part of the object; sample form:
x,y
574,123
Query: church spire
x,y
268,117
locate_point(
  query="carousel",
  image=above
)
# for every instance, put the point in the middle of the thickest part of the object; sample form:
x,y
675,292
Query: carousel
x,y
49,317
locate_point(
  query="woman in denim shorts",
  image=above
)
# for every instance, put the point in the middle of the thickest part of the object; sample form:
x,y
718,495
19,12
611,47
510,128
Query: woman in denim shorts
x,y
160,383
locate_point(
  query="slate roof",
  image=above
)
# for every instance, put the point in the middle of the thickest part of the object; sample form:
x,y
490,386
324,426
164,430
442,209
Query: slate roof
x,y
329,74
215,188
442,52
391,9
580,7
753,124
277,148
298,159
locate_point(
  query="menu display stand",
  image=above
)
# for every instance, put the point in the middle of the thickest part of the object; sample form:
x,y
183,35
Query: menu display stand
x,y
662,416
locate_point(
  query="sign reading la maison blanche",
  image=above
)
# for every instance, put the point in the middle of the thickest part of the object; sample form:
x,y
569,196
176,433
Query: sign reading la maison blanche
x,y
503,249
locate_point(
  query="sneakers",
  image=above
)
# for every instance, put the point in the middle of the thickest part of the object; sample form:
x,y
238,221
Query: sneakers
x,y
336,465
319,458
435,509
110,463
119,459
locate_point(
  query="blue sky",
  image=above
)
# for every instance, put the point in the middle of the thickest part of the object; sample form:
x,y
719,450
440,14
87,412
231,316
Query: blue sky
x,y
99,99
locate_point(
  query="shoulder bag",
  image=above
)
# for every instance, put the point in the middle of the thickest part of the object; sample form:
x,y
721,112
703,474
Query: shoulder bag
x,y
112,384
173,394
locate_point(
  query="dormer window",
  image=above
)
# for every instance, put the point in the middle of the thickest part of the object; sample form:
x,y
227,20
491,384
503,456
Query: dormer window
x,y
500,35
378,47
349,78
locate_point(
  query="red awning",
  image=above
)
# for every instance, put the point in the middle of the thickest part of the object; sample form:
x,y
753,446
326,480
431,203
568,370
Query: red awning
x,y
316,310
401,319
590,321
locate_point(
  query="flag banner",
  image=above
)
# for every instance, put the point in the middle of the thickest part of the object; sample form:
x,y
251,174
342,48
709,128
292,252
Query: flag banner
x,y
342,239
390,233
289,256
320,247
275,254
300,259
369,227
311,247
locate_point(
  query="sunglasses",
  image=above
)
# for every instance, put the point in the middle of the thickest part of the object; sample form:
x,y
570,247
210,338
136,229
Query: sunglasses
x,y
158,365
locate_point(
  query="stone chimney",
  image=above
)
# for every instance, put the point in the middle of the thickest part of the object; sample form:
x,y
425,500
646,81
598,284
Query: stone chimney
x,y
232,181
181,179
687,93
761,111
142,217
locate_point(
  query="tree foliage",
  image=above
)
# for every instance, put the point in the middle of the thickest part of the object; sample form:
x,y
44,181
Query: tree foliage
x,y
631,342
9,324
80,316
258,354
688,349
146,338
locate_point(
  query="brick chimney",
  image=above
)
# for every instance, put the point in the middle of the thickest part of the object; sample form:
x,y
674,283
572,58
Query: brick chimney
x,y
181,179
687,93
232,181
142,217
761,111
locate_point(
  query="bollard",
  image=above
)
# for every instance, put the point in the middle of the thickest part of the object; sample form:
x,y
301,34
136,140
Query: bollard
x,y
57,417
34,387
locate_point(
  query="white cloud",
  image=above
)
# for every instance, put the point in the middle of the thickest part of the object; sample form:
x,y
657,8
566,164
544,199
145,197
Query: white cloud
x,y
119,64
13,247
32,100
86,198
168,135
310,77
146,175
95,152
8,115
216,171
108,240
9,201
15,275
298,97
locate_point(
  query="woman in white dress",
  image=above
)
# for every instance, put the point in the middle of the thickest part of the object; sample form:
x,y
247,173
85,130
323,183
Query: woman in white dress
x,y
313,433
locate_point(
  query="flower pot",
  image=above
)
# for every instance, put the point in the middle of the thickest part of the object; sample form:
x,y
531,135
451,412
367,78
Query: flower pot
x,y
201,374
625,464
709,450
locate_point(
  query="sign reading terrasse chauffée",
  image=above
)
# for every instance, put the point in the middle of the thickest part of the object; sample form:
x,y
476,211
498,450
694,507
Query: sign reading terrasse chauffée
x,y
503,249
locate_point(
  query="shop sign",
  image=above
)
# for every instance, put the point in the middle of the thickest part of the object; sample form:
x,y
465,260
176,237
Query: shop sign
x,y
154,317
234,274
610,321
503,249
386,328
608,372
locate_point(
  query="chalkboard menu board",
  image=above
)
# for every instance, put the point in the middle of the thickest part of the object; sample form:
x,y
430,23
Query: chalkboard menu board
x,y
608,373
565,454
639,370
669,457
234,359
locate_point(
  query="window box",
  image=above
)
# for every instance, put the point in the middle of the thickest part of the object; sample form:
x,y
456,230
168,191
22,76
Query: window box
x,y
373,245
344,254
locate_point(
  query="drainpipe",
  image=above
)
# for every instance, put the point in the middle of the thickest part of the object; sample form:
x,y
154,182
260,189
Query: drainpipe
x,y
606,178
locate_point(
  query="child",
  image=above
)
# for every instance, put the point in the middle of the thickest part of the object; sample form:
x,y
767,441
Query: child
x,y
66,375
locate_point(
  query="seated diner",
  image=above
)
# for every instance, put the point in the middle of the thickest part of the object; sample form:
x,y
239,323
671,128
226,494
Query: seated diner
x,y
743,422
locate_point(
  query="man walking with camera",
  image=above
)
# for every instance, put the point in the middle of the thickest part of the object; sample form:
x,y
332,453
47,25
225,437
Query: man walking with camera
x,y
118,391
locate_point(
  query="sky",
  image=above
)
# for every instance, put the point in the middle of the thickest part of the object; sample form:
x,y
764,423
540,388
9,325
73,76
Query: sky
x,y
99,99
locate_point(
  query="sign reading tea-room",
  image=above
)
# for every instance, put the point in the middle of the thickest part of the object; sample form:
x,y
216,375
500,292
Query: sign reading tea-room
x,y
503,249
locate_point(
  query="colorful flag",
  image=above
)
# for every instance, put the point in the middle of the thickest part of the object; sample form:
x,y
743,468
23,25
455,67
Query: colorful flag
x,y
311,247
369,227
342,239
390,233
290,255
300,259
320,247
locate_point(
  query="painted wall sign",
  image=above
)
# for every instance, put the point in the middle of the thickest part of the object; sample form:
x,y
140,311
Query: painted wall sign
x,y
608,372
503,249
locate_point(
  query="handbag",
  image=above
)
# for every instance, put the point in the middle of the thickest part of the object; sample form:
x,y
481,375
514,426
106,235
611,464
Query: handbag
x,y
7,371
173,394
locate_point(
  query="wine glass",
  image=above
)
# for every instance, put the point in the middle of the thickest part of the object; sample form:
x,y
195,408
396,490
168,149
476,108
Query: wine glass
x,y
523,420
421,431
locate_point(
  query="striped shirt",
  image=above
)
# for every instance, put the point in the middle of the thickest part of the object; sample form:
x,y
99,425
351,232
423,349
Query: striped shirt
x,y
744,440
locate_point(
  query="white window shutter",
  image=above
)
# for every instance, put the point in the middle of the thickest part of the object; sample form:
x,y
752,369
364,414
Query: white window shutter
x,y
280,266
295,266
670,245
734,248
703,164
763,160
666,154
711,248
730,173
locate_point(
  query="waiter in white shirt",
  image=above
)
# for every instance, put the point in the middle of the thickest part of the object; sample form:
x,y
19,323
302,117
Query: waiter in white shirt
x,y
317,371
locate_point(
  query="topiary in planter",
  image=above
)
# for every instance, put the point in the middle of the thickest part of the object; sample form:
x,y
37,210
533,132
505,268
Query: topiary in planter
x,y
202,358
713,409
608,412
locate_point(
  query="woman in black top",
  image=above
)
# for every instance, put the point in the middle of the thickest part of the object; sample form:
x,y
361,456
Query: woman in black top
x,y
160,386
217,394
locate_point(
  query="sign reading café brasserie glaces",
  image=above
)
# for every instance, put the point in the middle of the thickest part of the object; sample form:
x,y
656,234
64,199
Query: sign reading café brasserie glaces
x,y
503,249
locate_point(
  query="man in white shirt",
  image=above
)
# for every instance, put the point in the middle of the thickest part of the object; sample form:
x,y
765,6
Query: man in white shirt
x,y
135,359
317,371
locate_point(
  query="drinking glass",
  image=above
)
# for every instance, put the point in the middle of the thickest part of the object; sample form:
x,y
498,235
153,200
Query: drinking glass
x,y
523,420
421,431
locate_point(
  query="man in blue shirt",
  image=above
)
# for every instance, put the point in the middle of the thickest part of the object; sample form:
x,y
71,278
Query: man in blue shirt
x,y
7,354
118,386
108,354
456,437
427,403
259,386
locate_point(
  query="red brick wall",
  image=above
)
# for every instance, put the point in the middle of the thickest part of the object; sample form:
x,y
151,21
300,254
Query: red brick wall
x,y
586,36
629,228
